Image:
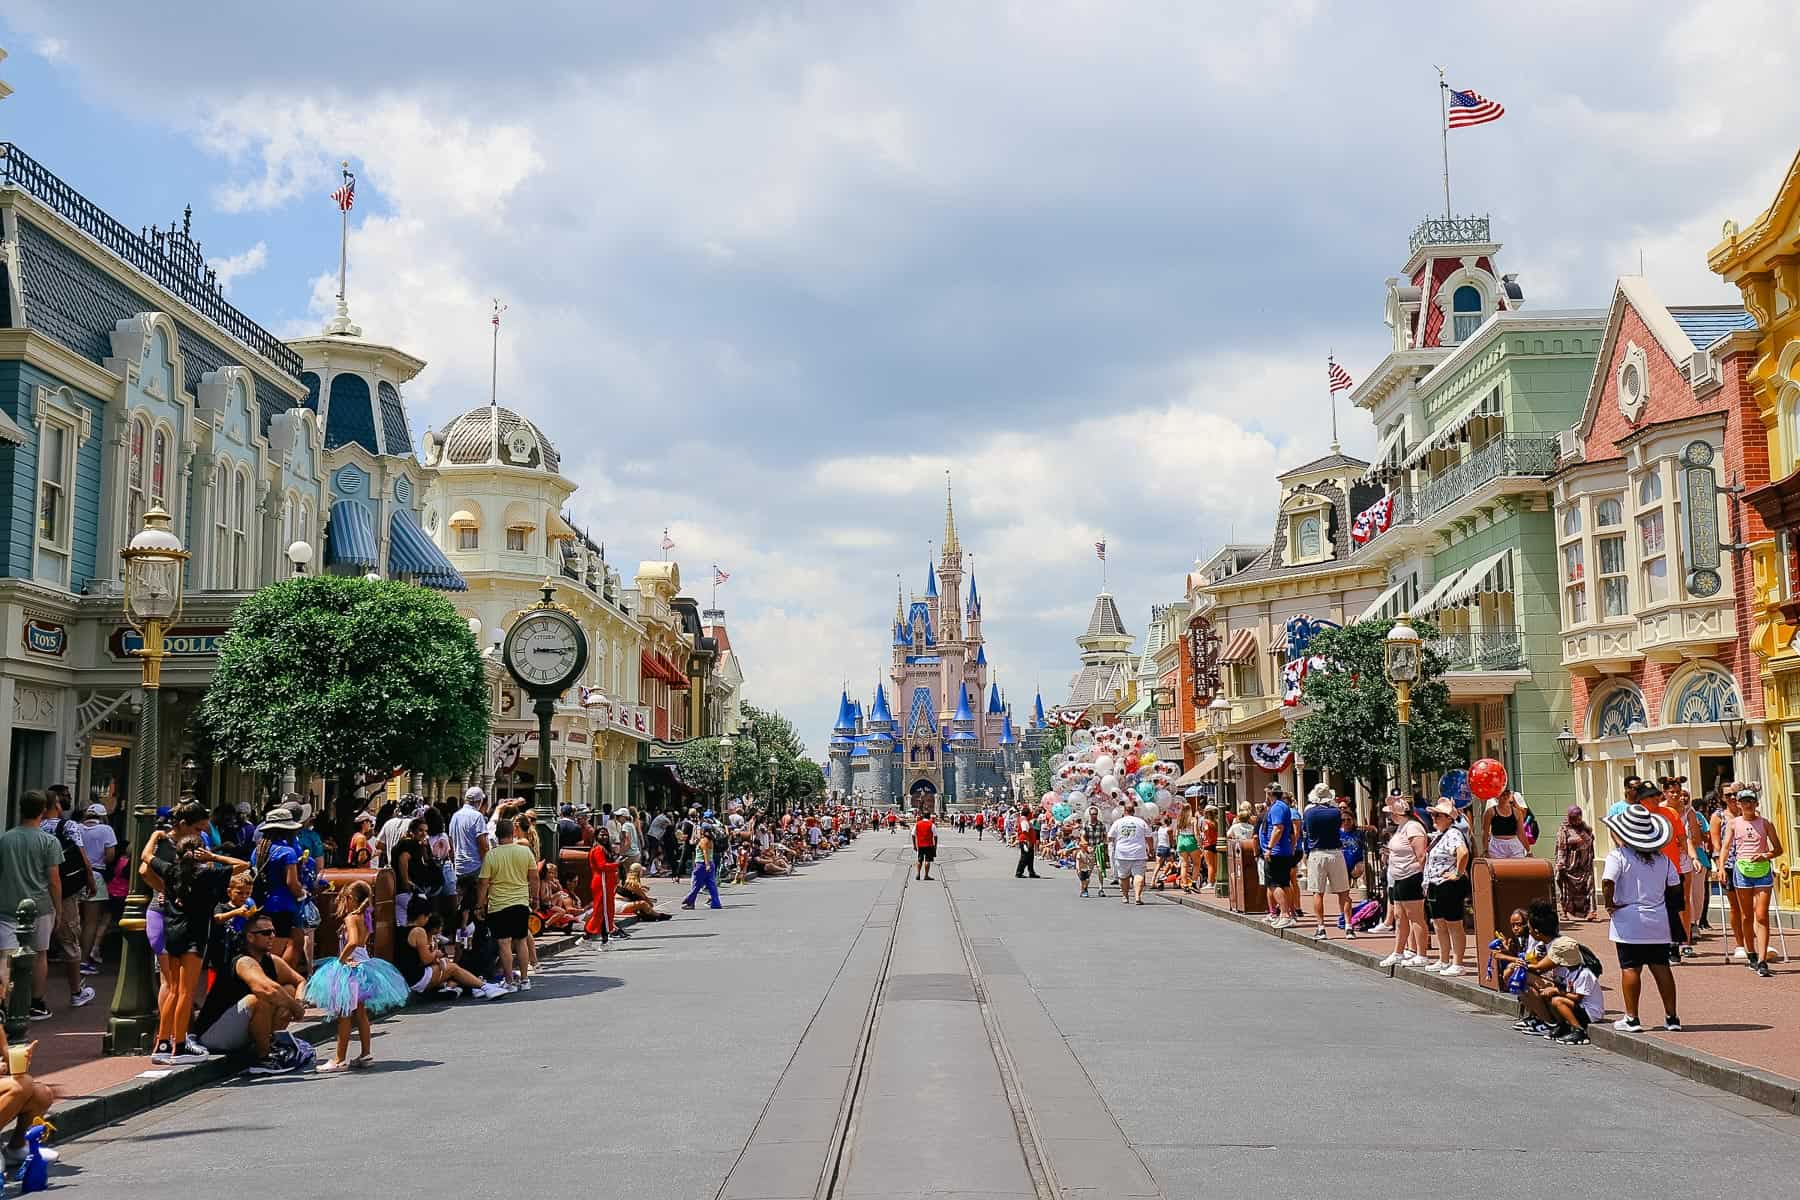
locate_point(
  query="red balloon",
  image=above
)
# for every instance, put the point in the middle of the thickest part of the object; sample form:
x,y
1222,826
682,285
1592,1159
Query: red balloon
x,y
1487,779
1131,764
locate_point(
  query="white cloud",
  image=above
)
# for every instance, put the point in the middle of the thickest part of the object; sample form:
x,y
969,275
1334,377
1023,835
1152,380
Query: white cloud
x,y
235,266
50,49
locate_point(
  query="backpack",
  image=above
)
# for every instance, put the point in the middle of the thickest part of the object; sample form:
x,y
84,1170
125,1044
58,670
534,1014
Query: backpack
x,y
74,870
1591,961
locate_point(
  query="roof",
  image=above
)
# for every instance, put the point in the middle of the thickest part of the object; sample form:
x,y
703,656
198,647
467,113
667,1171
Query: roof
x,y
1706,324
1334,459
487,434
1105,621
1096,682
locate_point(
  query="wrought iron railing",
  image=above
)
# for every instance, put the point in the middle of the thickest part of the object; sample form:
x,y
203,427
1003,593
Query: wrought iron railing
x,y
1499,649
1450,231
1405,511
169,257
1503,456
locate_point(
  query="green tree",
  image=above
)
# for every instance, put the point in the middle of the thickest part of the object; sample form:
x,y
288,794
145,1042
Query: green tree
x,y
345,675
762,734
1056,740
1351,726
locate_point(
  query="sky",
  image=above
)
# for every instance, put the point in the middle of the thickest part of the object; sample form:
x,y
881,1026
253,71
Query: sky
x,y
772,269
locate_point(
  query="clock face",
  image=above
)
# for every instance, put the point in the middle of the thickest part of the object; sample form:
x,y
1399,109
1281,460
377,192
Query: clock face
x,y
544,650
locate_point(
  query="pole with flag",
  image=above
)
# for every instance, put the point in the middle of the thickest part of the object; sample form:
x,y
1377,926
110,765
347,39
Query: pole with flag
x,y
1337,380
1459,109
494,376
668,543
1100,553
344,197
719,577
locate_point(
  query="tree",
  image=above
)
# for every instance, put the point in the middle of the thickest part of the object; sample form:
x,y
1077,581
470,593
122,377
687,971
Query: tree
x,y
1351,725
346,675
1056,740
762,734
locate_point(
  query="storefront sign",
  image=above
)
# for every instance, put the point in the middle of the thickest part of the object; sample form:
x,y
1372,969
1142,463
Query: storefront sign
x,y
577,737
1700,529
659,751
46,637
125,642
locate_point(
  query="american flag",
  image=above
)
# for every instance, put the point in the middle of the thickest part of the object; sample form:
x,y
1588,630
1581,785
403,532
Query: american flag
x,y
1340,378
1472,108
498,309
668,543
345,196
1100,549
720,576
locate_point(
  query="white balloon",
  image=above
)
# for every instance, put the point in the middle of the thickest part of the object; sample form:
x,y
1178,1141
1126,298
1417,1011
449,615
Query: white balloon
x,y
1104,764
1147,810
1164,796
1117,813
1109,784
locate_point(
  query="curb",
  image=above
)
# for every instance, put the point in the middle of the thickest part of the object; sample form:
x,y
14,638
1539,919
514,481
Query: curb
x,y
139,1095
1764,1087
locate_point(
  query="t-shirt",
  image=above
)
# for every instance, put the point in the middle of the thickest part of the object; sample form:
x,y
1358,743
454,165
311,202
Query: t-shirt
x,y
659,825
1278,837
97,837
278,896
924,833
1749,839
1402,862
1677,843
1324,826
393,832
1130,838
406,853
508,866
467,828
1440,860
27,857
1639,886
1581,981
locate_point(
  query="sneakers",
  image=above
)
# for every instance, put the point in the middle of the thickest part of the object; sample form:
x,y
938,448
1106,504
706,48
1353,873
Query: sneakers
x,y
1739,954
1392,960
14,1156
1410,958
1574,1037
276,1063
1452,970
1286,923
89,967
1319,934
40,1011
82,998
1762,969
192,1052
1672,1024
164,1053
525,985
489,991
1628,1025
453,992
1350,934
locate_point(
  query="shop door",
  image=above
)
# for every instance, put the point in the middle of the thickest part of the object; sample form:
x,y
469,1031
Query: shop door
x,y
1715,771
30,768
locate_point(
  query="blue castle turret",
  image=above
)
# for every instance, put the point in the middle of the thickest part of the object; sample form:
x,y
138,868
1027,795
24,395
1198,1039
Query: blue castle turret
x,y
843,734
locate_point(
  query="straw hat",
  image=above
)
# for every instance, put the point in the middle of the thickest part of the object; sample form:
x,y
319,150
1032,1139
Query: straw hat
x,y
1640,828
1565,952
1444,808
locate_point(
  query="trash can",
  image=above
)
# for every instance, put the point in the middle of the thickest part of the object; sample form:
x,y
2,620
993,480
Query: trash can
x,y
1501,885
1247,891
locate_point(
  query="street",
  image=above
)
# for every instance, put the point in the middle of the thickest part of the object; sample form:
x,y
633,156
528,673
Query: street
x,y
1025,1040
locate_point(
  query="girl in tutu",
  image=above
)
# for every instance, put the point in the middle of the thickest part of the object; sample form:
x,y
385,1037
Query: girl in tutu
x,y
352,985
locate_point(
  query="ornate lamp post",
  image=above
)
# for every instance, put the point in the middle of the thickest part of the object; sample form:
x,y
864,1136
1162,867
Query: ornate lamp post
x,y
775,805
1731,724
1218,715
154,564
726,750
1570,745
1400,662
299,554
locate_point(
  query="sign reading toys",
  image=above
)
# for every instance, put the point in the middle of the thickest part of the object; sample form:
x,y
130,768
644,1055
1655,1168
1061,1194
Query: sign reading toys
x,y
125,642
46,637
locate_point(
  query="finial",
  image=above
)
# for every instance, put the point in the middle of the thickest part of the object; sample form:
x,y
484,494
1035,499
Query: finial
x,y
951,544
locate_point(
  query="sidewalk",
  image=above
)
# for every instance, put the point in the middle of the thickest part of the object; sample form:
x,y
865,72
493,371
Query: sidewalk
x,y
1741,1032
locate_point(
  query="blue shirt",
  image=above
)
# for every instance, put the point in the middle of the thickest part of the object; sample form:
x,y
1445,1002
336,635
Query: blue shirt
x,y
1324,826
467,828
1279,833
280,898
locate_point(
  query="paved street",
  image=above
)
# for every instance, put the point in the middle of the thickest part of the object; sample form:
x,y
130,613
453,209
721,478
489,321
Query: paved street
x,y
1025,1039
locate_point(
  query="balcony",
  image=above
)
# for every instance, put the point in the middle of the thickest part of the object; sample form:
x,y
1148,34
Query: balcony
x,y
1509,455
1405,512
1449,231
1498,649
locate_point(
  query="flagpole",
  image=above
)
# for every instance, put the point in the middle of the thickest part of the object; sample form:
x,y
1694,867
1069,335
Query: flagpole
x,y
1331,395
1444,135
343,235
494,368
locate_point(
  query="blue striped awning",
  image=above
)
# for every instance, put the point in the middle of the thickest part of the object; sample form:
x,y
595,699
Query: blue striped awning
x,y
350,537
413,555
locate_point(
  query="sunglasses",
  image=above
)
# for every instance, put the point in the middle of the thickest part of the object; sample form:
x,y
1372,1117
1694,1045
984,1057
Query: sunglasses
x,y
265,932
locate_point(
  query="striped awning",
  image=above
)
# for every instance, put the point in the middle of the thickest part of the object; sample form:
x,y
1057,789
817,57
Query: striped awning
x,y
1431,601
1389,448
1491,574
350,537
1485,405
412,555
10,432
1378,608
675,675
1241,648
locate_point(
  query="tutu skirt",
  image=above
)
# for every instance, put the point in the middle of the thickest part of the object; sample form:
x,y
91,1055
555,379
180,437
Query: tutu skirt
x,y
338,987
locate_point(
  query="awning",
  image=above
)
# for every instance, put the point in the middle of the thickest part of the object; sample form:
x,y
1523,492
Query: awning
x,y
350,537
1203,771
561,530
10,431
1491,574
1431,600
648,668
1241,648
665,775
413,555
1378,607
675,675
462,518
1138,707
1485,405
1396,436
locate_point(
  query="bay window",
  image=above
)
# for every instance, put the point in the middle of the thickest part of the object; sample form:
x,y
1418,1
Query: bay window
x,y
1574,583
1653,552
1610,564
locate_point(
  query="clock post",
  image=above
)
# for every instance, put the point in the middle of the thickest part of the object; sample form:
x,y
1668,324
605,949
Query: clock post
x,y
546,650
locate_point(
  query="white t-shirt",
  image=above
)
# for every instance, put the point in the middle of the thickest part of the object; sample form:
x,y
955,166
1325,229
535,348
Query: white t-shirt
x,y
1130,837
1639,886
96,839
1581,981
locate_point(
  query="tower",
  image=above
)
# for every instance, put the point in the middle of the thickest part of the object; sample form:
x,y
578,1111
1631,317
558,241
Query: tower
x,y
1099,687
843,730
962,744
879,734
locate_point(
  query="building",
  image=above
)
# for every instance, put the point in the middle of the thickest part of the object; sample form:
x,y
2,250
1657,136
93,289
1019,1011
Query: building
x,y
939,727
1656,613
725,685
1162,709
664,681
494,506
1468,404
1762,259
1105,686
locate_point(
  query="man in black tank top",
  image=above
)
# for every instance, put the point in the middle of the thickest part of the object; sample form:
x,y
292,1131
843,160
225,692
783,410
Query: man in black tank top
x,y
252,1001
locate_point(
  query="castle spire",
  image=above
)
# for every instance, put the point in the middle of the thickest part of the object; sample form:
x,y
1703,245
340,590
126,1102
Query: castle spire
x,y
951,544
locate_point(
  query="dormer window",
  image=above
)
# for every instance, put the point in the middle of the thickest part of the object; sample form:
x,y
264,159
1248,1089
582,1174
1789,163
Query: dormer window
x,y
1465,312
1308,529
1306,536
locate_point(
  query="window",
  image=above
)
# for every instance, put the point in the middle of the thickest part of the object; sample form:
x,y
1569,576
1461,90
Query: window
x,y
1654,557
1649,488
1574,584
1465,307
468,538
221,539
306,525
1307,538
1245,680
159,470
1572,520
134,478
515,539
240,538
1608,514
53,492
1610,558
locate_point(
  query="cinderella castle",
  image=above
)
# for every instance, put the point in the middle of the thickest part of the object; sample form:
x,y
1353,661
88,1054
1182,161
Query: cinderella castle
x,y
954,737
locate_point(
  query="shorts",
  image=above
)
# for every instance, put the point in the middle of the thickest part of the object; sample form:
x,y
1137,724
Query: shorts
x,y
229,1034
1278,870
510,923
43,931
1187,843
115,905
418,989
1445,900
153,931
1642,954
1581,1016
67,935
1083,876
283,922
1163,854
927,853
182,937
1742,883
1326,873
1407,890
1128,868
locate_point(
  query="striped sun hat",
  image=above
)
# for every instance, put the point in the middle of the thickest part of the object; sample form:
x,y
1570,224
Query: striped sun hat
x,y
1640,829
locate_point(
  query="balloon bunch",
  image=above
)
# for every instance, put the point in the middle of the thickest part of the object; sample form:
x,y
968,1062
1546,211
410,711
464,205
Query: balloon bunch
x,y
1107,766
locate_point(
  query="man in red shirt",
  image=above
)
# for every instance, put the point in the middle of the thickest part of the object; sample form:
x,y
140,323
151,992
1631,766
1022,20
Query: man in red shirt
x,y
980,823
925,842
1028,836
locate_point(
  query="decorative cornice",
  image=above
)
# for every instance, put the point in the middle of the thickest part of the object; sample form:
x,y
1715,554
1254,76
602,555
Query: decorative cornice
x,y
47,354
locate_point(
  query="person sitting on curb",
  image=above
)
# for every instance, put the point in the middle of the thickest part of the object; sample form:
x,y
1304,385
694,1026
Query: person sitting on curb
x,y
23,1100
419,958
1571,999
256,997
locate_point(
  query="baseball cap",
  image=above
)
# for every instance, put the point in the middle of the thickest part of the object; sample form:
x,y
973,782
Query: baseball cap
x,y
96,810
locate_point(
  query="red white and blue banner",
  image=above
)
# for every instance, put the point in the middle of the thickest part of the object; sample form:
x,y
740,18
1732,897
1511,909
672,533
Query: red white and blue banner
x,y
1272,756
1373,521
1293,677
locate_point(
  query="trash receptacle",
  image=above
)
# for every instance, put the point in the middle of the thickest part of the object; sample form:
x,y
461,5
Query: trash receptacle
x,y
1501,885
1247,891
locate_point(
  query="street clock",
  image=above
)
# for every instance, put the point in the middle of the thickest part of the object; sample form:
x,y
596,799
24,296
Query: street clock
x,y
546,649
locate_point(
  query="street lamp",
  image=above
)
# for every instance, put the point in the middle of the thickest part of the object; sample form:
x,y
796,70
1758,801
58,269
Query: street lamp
x,y
154,564
300,554
1731,724
773,802
1570,745
726,750
1400,662
1218,715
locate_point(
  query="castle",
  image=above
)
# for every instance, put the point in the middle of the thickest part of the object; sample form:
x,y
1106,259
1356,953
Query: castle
x,y
954,737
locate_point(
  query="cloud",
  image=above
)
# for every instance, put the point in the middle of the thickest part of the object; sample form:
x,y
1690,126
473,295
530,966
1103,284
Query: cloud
x,y
50,49
236,266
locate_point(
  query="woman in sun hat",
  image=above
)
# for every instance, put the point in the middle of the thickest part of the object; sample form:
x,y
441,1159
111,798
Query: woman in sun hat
x,y
1751,846
1406,850
1635,887
1447,887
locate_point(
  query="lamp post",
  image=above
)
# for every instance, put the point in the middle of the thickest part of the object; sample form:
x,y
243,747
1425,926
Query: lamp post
x,y
774,802
1400,662
300,554
1218,715
1731,724
1570,745
726,750
154,564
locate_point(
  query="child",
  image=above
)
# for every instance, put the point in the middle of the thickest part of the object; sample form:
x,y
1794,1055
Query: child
x,y
1084,863
1509,948
1573,996
352,985
229,917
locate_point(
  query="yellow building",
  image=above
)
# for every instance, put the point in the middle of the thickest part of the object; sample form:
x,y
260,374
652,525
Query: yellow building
x,y
1763,260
